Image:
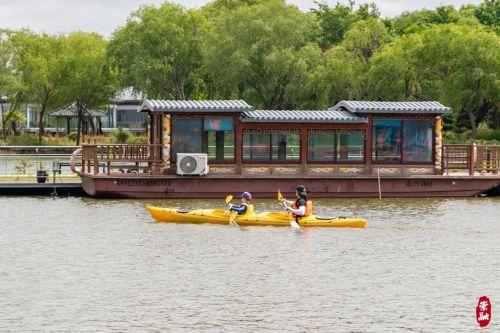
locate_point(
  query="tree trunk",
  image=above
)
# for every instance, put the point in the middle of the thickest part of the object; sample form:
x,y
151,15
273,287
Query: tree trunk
x,y
472,119
4,131
79,126
41,130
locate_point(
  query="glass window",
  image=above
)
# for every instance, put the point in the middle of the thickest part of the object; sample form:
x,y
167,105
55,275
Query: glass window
x,y
320,146
417,140
186,136
350,147
386,139
285,147
219,138
256,147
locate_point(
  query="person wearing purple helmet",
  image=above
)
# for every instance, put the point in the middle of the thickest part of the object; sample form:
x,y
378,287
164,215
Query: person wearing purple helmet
x,y
245,207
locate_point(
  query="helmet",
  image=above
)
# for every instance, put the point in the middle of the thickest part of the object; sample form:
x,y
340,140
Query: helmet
x,y
301,190
246,195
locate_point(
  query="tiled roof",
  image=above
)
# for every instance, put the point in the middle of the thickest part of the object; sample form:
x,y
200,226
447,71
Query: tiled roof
x,y
392,107
299,116
189,106
71,111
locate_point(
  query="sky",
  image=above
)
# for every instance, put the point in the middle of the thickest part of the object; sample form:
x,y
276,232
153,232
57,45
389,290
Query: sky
x,y
105,16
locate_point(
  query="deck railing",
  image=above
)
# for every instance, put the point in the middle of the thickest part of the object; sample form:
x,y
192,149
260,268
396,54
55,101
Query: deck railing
x,y
473,158
122,158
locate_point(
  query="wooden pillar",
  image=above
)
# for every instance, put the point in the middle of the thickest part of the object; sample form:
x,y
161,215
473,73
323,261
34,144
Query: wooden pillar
x,y
368,144
303,150
238,146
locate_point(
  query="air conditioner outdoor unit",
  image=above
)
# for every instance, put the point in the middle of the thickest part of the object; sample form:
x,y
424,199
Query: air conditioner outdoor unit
x,y
192,164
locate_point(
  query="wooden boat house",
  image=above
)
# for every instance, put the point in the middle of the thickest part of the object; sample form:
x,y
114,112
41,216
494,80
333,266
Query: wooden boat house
x,y
353,149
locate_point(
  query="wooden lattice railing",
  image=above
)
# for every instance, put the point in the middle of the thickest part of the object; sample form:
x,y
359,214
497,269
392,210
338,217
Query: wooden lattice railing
x,y
474,158
123,158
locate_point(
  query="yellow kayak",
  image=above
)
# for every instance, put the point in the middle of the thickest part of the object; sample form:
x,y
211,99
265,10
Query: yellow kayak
x,y
221,216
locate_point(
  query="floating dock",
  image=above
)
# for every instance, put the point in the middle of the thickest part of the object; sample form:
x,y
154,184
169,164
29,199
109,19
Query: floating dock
x,y
46,189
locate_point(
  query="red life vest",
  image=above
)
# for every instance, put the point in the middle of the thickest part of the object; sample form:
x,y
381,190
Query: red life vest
x,y
309,208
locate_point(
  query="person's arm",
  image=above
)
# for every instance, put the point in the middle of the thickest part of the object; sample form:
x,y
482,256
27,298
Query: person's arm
x,y
300,211
240,209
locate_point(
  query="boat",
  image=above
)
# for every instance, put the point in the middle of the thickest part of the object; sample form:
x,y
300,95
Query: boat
x,y
221,216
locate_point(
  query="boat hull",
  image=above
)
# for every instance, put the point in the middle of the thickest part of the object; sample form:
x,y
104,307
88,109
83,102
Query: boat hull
x,y
219,216
177,187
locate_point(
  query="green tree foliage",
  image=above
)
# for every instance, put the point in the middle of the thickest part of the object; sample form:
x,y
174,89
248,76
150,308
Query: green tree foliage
x,y
11,87
87,78
260,52
158,51
336,21
38,62
488,13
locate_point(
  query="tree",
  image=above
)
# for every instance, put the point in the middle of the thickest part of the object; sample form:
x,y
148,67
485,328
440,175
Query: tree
x,y
10,83
393,74
488,13
158,50
417,21
38,61
336,21
366,37
460,66
255,52
87,77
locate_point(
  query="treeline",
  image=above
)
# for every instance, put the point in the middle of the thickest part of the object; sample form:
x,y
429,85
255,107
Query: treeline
x,y
275,56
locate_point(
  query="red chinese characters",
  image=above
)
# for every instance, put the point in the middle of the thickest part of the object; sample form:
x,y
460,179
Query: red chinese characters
x,y
483,311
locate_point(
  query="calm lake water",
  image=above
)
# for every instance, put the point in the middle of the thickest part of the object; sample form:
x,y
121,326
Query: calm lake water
x,y
85,265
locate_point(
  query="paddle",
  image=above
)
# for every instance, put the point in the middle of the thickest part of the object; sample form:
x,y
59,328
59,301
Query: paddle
x,y
293,223
232,215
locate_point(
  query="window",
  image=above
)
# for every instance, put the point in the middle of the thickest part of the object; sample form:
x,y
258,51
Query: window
x,y
219,138
285,147
186,136
386,139
256,147
350,147
333,147
320,146
271,146
417,140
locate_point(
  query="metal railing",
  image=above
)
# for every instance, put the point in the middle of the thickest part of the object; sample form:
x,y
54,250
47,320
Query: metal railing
x,y
122,158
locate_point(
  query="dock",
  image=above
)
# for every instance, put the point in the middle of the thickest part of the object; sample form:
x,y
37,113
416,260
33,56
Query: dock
x,y
47,189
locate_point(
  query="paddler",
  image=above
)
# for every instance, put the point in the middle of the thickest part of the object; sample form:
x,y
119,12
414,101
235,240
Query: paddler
x,y
245,207
302,207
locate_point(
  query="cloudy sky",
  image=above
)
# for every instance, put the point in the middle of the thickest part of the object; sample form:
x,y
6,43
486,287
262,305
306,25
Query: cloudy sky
x,y
104,16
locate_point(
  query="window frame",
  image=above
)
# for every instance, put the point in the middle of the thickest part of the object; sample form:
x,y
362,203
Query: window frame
x,y
203,139
270,150
335,133
402,161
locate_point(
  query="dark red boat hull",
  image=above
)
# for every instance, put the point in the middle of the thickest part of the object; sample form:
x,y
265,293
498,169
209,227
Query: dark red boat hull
x,y
161,187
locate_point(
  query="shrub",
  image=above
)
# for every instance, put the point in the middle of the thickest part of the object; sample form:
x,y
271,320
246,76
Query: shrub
x,y
121,135
72,136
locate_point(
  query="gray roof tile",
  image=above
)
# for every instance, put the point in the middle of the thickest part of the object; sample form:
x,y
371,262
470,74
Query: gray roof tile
x,y
156,105
431,107
299,116
70,111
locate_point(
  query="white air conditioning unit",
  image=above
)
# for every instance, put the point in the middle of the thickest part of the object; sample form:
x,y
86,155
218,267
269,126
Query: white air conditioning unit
x,y
192,164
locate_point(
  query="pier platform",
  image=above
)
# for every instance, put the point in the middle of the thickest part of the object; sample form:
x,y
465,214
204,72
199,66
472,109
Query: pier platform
x,y
47,189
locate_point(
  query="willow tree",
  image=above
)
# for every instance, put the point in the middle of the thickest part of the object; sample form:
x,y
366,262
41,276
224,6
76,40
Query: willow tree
x,y
38,62
87,78
158,51
256,52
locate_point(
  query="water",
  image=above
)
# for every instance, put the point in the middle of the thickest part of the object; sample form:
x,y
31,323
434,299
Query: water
x,y
85,265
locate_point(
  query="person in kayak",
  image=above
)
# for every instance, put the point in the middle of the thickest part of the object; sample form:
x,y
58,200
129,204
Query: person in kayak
x,y
245,208
302,207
